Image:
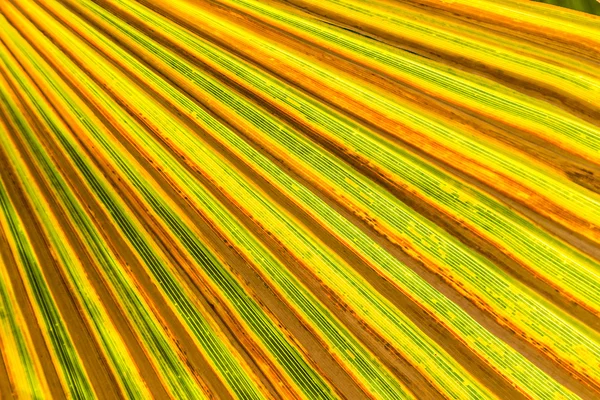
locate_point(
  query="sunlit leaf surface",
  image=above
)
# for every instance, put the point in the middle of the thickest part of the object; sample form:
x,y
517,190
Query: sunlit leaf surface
x,y
299,199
